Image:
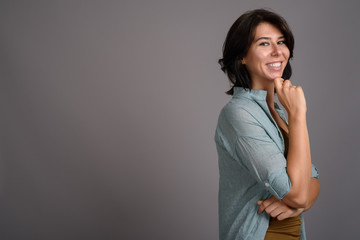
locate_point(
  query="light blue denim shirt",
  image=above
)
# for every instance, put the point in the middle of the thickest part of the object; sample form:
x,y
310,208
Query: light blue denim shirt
x,y
252,165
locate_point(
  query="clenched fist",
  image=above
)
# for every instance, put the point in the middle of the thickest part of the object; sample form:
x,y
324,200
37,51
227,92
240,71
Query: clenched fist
x,y
291,97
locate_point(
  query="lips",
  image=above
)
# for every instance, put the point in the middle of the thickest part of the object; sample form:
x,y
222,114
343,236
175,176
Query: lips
x,y
275,66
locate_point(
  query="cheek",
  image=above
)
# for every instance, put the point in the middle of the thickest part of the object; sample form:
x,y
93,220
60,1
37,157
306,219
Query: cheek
x,y
260,58
287,53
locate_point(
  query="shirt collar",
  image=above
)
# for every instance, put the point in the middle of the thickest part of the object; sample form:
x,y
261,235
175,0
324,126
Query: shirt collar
x,y
250,93
253,94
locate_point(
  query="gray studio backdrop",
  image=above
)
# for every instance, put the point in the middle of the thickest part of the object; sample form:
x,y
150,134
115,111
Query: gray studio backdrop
x,y
108,112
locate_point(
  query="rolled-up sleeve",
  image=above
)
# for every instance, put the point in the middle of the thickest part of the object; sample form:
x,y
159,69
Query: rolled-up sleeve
x,y
265,162
314,171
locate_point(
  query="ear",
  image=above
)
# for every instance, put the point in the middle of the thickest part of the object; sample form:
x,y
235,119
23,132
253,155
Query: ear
x,y
243,61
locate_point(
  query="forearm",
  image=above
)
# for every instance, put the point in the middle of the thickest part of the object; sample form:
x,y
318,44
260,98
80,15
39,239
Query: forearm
x,y
298,162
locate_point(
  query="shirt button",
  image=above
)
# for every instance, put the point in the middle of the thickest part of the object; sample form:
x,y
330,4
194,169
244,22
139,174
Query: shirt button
x,y
267,185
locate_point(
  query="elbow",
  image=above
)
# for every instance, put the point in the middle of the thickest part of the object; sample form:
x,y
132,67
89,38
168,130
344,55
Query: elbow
x,y
300,202
296,200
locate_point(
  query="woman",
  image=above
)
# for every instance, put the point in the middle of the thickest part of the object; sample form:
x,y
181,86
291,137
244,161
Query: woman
x,y
266,176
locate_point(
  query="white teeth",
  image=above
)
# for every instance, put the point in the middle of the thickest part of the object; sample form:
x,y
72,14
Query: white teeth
x,y
275,64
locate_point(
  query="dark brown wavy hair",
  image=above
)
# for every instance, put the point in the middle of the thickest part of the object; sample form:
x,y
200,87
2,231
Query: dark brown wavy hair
x,y
239,39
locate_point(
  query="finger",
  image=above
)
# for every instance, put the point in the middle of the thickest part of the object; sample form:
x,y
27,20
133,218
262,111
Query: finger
x,y
287,83
269,209
277,211
278,82
269,201
261,208
283,215
266,203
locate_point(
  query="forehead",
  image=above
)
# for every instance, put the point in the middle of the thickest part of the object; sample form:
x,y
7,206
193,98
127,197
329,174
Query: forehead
x,y
266,29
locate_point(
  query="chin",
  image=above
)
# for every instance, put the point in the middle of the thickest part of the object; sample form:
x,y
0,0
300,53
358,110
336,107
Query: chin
x,y
273,76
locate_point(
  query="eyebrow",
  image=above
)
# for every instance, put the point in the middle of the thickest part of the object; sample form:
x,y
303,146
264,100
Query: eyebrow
x,y
267,38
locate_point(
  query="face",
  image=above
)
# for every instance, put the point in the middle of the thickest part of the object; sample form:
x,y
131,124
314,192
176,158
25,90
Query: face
x,y
268,55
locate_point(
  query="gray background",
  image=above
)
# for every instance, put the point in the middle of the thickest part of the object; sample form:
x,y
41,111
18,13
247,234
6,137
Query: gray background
x,y
108,112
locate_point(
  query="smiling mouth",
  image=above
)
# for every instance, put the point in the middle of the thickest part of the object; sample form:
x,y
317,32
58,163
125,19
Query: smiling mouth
x,y
276,66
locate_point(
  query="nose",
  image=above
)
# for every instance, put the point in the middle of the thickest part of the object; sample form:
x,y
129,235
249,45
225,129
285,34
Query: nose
x,y
276,50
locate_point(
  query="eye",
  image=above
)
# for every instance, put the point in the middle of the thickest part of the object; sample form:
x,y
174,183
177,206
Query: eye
x,y
282,42
264,44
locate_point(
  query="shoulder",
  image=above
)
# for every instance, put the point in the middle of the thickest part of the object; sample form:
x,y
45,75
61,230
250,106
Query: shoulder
x,y
239,115
240,109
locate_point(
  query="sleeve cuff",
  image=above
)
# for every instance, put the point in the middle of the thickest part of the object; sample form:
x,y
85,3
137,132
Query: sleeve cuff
x,y
278,183
314,171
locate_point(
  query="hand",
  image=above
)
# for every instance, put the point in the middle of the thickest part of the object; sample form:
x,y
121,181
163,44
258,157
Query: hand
x,y
291,97
275,208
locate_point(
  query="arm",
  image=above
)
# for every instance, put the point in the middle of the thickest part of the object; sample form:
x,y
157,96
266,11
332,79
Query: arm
x,y
299,157
314,193
275,208
298,162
